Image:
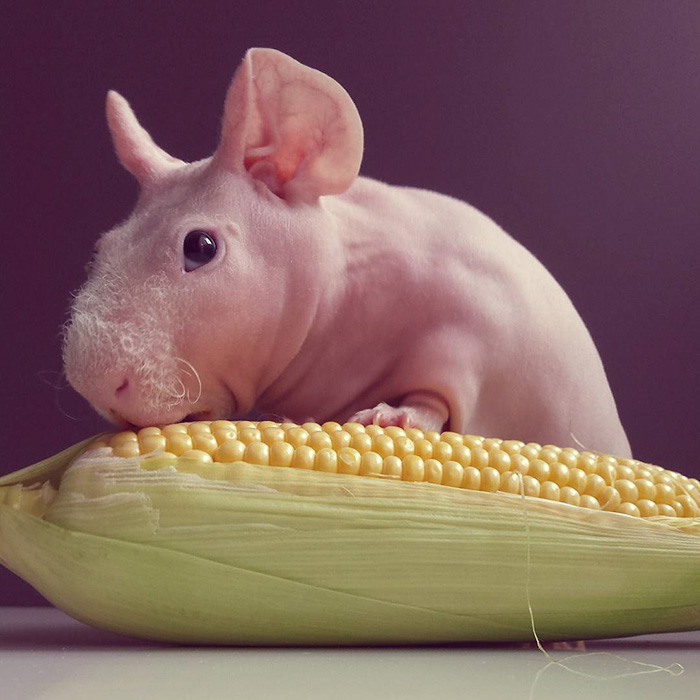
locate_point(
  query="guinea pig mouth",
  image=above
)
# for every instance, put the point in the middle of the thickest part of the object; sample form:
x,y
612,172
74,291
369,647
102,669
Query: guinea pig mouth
x,y
124,424
200,415
121,422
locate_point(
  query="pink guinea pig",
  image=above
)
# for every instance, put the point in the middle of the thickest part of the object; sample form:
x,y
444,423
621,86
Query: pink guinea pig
x,y
270,277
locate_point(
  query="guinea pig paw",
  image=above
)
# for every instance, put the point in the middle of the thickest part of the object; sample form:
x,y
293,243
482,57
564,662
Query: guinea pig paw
x,y
383,415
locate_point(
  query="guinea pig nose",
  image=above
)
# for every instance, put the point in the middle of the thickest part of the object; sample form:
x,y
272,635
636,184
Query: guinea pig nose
x,y
122,387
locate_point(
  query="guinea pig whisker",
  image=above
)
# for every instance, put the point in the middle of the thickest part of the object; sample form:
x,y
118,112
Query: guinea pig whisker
x,y
177,395
192,373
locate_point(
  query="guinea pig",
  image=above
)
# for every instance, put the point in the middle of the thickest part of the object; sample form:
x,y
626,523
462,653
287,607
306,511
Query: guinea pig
x,y
272,278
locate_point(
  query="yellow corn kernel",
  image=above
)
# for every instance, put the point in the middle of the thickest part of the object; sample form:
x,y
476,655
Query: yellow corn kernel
x,y
452,438
415,434
222,425
229,451
588,501
530,451
340,439
383,445
647,508
362,442
169,430
273,434
257,453
413,468
628,509
423,448
490,479
689,505
177,442
512,446
348,460
152,442
645,488
609,498
664,494
403,447
577,479
559,473
326,460
304,457
472,478
518,463
371,464
198,427
472,441
480,457
510,482
392,467
248,435
297,436
453,474
586,462
538,470
500,461
568,459
146,432
433,471
394,432
205,442
442,451
550,491
570,495
124,436
433,436
531,486
594,484
548,455
320,440
127,449
281,454
627,489
606,471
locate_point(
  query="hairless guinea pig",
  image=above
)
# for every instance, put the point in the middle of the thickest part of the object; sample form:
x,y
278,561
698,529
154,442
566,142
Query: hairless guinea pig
x,y
271,278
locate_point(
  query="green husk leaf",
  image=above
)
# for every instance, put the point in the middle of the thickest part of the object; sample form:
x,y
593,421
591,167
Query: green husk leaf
x,y
50,469
248,554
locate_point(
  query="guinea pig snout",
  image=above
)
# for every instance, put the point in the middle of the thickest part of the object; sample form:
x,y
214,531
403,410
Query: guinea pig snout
x,y
119,350
127,371
127,376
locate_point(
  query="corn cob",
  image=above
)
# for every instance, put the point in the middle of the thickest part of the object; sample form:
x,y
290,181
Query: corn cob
x,y
243,532
465,461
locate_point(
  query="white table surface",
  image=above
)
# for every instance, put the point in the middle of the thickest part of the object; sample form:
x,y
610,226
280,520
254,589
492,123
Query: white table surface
x,y
45,654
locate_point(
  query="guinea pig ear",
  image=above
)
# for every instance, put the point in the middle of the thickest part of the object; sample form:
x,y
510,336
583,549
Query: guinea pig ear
x,y
291,127
135,148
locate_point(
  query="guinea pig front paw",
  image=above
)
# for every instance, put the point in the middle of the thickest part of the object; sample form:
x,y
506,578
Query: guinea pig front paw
x,y
403,416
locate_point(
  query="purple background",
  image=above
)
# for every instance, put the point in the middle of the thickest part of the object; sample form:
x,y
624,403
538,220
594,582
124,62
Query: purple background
x,y
576,126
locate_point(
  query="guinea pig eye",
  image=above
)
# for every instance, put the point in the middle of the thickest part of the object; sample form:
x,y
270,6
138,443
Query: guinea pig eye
x,y
199,249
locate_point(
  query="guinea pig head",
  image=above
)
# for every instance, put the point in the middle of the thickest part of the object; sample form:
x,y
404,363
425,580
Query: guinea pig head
x,y
200,299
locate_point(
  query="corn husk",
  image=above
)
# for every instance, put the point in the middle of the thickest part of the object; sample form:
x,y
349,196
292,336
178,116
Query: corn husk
x,y
246,554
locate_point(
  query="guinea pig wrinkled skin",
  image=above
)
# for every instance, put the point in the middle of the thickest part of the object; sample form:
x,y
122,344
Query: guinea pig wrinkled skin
x,y
271,278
